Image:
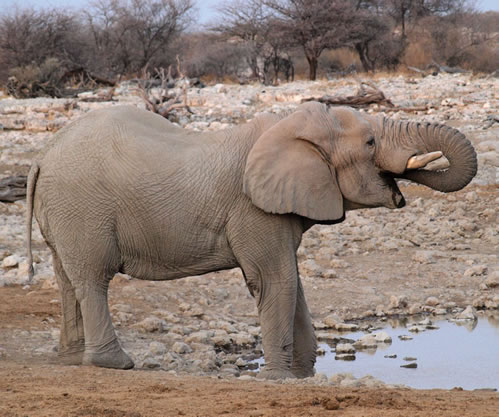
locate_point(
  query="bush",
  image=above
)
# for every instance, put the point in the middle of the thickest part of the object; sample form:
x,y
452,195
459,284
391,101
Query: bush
x,y
33,81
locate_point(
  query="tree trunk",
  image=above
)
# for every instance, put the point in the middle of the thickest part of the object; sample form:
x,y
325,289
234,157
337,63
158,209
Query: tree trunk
x,y
313,63
361,49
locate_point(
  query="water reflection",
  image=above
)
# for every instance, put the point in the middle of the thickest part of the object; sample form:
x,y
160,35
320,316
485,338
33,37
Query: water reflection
x,y
459,353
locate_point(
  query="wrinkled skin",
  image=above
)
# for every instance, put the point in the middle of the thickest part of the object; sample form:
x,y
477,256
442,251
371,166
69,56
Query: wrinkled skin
x,y
124,190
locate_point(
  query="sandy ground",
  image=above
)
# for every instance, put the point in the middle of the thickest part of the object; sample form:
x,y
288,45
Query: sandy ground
x,y
49,390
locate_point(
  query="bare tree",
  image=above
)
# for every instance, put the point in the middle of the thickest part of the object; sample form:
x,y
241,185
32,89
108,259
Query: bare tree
x,y
403,11
29,37
129,35
314,25
249,22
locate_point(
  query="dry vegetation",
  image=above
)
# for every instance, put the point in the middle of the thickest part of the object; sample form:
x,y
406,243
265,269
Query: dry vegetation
x,y
45,51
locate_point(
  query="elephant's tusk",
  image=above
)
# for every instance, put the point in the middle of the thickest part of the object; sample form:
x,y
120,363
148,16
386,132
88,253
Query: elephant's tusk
x,y
438,164
432,161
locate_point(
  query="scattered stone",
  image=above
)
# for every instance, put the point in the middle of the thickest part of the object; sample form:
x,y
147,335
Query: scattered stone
x,y
432,301
405,337
151,363
398,301
345,357
181,348
467,314
344,348
10,261
157,348
331,404
346,327
415,308
410,365
475,271
492,280
416,329
424,257
152,325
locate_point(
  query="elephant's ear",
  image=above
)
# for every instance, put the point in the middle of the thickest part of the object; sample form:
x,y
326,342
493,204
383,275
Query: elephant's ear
x,y
288,170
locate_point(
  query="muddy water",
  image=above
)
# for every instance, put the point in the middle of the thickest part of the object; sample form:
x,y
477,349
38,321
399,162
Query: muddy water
x,y
454,355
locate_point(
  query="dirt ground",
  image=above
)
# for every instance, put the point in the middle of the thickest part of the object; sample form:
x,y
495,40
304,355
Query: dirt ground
x,y
37,389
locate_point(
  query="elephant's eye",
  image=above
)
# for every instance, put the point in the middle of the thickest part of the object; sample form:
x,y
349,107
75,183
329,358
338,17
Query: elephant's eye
x,y
370,142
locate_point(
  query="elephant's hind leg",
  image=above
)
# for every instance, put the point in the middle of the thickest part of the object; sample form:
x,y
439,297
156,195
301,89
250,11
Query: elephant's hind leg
x,y
91,283
72,338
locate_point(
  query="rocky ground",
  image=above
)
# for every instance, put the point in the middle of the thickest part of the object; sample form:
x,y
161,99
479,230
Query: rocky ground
x,y
437,256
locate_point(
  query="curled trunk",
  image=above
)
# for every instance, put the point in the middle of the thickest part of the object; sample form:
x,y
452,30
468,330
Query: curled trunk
x,y
401,140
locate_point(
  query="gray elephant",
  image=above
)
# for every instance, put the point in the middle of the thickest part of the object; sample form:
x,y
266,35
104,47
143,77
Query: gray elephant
x,y
124,190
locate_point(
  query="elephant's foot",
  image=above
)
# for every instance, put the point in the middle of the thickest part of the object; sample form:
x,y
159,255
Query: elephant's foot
x,y
110,357
302,372
72,354
275,374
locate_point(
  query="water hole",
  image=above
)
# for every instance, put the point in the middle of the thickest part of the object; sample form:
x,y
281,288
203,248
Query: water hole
x,y
452,354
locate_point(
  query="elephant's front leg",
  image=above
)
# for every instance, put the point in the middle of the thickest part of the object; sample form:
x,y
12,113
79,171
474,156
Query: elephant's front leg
x,y
276,308
305,343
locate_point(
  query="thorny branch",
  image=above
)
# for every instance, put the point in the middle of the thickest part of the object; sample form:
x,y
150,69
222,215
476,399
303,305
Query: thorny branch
x,y
164,101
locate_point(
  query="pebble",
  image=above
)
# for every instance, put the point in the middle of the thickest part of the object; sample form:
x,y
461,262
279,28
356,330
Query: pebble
x,y
410,366
181,348
476,271
344,348
10,261
432,301
467,314
152,325
492,281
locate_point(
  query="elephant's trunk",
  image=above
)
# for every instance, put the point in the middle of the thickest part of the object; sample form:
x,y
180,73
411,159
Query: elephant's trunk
x,y
402,140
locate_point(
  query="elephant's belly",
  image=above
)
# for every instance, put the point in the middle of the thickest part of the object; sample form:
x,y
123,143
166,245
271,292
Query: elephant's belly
x,y
166,269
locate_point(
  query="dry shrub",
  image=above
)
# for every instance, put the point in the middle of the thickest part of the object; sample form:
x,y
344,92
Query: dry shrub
x,y
33,81
417,55
339,60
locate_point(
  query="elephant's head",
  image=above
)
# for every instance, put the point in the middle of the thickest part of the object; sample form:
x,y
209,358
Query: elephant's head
x,y
318,163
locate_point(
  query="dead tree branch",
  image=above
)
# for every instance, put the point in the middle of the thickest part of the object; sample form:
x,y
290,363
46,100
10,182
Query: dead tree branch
x,y
367,94
13,188
163,100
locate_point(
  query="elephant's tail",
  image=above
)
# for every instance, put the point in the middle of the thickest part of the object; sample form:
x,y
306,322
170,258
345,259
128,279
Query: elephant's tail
x,y
30,193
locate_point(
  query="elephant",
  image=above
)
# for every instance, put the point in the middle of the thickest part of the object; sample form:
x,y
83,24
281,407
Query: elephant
x,y
124,190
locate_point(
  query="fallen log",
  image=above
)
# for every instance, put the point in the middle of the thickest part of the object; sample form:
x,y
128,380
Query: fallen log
x,y
13,188
367,94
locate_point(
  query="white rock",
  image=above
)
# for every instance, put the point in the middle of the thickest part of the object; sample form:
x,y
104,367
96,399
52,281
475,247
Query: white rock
x,y
492,280
398,301
151,363
383,337
475,271
432,301
467,314
331,321
10,261
157,348
344,348
181,348
202,336
367,341
243,339
346,327
152,324
424,257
